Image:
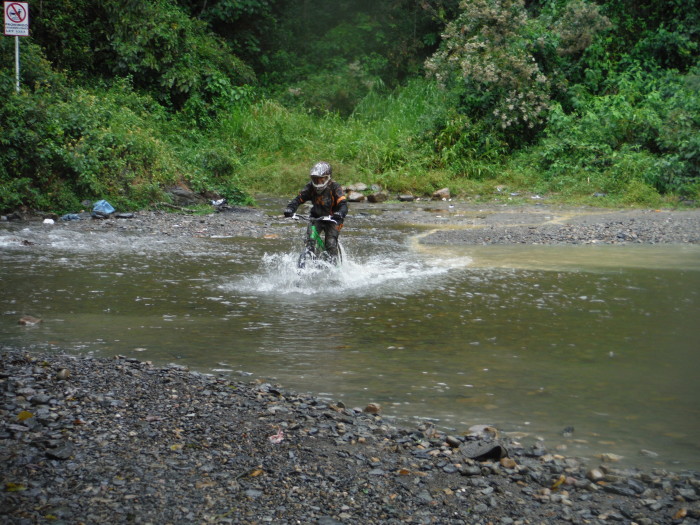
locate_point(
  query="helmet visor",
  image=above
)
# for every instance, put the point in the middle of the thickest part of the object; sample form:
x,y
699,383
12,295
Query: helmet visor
x,y
320,180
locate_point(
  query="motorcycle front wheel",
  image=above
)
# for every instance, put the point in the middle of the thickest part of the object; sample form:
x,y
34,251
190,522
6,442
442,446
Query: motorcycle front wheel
x,y
306,258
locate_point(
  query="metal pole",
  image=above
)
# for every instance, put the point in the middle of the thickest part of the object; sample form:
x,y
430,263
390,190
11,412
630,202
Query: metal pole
x,y
17,60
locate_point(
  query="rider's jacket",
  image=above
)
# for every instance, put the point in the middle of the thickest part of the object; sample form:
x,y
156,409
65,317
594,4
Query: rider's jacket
x,y
328,202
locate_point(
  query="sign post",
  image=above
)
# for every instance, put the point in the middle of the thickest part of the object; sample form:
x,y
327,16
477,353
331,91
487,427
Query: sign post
x,y
17,25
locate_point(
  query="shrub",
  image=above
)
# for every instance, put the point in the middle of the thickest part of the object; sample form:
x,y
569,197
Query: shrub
x,y
643,133
501,81
508,65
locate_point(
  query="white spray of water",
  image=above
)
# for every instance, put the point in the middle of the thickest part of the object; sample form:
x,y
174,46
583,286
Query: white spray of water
x,y
279,275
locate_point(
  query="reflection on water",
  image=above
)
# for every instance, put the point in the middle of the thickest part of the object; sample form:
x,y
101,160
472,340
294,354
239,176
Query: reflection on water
x,y
530,339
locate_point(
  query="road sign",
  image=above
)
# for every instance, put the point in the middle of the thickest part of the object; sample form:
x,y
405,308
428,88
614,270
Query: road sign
x,y
17,18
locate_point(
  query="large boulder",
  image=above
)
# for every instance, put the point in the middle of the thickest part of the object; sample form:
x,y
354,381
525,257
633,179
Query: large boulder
x,y
184,196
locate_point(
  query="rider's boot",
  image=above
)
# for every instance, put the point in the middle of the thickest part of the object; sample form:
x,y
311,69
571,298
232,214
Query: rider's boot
x,y
332,249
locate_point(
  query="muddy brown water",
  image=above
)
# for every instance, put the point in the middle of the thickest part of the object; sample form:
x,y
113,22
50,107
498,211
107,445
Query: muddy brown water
x,y
531,340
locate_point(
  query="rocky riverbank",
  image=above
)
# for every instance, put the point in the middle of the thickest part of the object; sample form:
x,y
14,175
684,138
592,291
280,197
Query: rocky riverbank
x,y
87,440
447,222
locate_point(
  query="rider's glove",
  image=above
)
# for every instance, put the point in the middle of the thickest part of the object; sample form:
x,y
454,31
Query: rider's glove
x,y
337,217
288,212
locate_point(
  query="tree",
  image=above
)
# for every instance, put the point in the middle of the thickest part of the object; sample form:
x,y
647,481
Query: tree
x,y
173,56
487,57
507,65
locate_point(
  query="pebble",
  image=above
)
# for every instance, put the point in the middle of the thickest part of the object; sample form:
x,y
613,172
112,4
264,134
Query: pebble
x,y
121,441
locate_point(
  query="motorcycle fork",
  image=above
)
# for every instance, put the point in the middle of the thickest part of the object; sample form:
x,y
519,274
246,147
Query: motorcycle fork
x,y
317,243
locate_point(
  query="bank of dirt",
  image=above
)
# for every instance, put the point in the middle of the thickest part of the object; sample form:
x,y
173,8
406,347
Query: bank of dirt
x,y
86,440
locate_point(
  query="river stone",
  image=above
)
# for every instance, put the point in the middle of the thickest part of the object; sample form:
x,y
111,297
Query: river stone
x,y
441,194
29,320
595,474
63,451
373,408
453,441
380,196
483,431
483,450
253,493
617,489
508,463
355,196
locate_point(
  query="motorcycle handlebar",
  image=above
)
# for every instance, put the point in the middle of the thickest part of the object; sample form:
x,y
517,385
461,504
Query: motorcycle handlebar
x,y
327,218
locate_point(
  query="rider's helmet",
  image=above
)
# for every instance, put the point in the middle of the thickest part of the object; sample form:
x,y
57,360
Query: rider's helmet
x,y
321,175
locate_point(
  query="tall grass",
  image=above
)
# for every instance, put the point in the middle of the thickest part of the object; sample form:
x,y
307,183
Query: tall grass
x,y
386,142
114,143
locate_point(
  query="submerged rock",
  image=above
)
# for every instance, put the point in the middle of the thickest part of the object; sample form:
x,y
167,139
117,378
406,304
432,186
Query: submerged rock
x,y
29,320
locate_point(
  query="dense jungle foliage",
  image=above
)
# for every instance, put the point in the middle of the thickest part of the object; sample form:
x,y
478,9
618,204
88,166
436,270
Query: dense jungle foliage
x,y
576,100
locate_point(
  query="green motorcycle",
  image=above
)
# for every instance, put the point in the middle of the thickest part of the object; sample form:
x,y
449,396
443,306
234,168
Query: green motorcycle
x,y
315,253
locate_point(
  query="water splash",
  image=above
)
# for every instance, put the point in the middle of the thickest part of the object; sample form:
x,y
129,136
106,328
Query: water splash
x,y
278,275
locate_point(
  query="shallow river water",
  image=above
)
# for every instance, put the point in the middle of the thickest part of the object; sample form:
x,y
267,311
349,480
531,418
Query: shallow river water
x,y
532,340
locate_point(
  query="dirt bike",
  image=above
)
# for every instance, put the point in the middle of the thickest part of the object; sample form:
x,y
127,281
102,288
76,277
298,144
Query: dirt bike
x,y
315,253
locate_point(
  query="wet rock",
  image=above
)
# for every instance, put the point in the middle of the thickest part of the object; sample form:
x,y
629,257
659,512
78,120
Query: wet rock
x,y
483,450
29,320
483,432
470,470
357,187
453,441
688,494
378,197
441,194
595,475
609,457
617,489
63,451
373,408
508,463
355,196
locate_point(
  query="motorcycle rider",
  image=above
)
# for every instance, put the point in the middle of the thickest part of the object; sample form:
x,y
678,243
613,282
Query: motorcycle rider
x,y
328,198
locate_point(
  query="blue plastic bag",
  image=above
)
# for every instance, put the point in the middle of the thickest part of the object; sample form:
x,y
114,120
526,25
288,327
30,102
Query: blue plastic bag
x,y
102,209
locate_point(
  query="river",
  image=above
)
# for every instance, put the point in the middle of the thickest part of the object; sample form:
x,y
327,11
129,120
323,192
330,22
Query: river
x,y
530,339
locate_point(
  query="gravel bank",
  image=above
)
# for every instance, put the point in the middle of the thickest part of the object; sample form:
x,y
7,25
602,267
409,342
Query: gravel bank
x,y
452,223
572,226
86,440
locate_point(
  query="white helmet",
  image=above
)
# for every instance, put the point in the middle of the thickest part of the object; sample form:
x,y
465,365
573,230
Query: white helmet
x,y
321,175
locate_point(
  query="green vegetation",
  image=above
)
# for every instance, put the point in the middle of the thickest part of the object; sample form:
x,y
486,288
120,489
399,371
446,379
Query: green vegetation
x,y
564,98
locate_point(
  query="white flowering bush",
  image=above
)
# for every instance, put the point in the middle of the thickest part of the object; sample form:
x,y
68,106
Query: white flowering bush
x,y
506,65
